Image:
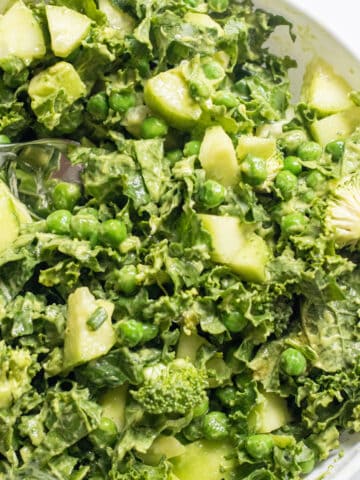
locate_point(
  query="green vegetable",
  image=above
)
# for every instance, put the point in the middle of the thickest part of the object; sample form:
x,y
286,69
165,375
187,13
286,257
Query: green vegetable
x,y
293,164
112,232
259,446
286,182
315,179
4,139
66,195
234,321
192,148
130,332
153,127
293,362
98,106
293,223
84,226
215,426
59,222
121,102
97,318
212,194
253,170
336,149
309,151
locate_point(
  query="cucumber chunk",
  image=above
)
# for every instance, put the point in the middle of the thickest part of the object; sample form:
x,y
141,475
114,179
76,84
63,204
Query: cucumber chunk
x,y
238,246
20,34
337,126
163,446
116,17
167,95
270,414
218,158
324,90
82,344
67,29
258,146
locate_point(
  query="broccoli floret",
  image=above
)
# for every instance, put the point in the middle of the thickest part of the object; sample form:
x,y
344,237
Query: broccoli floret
x,y
343,212
175,388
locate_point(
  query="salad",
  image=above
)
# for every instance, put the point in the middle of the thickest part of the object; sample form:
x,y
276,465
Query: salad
x,y
180,291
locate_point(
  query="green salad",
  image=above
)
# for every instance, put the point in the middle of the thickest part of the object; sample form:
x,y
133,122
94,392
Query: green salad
x,y
180,292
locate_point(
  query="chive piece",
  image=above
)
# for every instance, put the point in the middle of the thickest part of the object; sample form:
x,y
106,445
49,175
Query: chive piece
x,y
97,318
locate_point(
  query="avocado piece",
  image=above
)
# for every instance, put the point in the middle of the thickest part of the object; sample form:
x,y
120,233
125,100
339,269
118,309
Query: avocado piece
x,y
20,34
81,344
238,246
67,29
163,446
258,146
167,95
116,17
205,460
218,158
113,404
336,126
203,20
324,90
269,414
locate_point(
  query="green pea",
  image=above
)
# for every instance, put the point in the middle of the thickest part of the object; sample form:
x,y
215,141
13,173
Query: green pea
x,y
293,223
84,227
218,6
292,139
242,88
112,232
212,194
127,281
66,195
259,446
234,321
227,396
293,362
106,433
286,182
254,171
98,106
97,318
150,331
88,211
130,332
192,148
153,127
308,196
4,139
174,155
216,425
309,151
227,99
59,222
213,70
315,179
194,431
293,164
202,407
336,149
121,102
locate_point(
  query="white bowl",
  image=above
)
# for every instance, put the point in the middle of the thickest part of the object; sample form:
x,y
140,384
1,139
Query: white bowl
x,y
316,38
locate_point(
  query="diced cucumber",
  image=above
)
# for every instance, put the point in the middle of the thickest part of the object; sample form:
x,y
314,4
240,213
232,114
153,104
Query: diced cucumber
x,y
238,246
188,346
205,460
203,20
167,95
116,17
82,344
20,34
67,29
336,126
218,158
270,414
113,404
258,146
163,446
324,90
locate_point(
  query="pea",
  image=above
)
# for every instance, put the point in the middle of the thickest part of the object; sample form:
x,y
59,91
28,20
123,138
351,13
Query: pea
x,y
336,149
98,106
194,431
213,70
192,148
150,331
66,195
121,102
227,396
242,88
292,139
127,279
105,434
234,321
153,127
130,332
309,151
84,227
174,155
293,223
254,170
315,179
259,446
4,139
112,232
308,196
286,182
293,164
202,407
218,6
212,194
88,211
216,425
227,99
293,362
59,222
